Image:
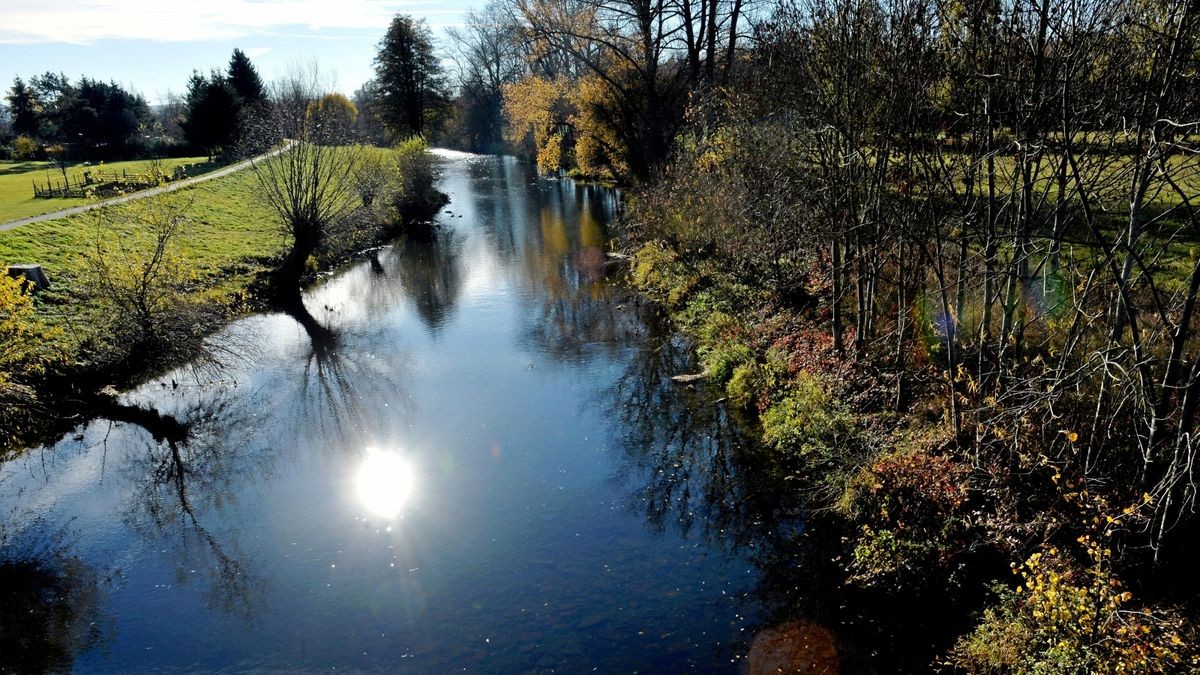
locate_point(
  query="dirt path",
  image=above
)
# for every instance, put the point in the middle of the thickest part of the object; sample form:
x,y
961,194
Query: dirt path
x,y
170,187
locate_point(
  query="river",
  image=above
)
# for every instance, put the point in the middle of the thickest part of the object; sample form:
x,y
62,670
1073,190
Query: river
x,y
478,462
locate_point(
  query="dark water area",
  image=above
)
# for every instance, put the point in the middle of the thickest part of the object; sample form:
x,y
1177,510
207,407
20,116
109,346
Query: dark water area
x,y
474,459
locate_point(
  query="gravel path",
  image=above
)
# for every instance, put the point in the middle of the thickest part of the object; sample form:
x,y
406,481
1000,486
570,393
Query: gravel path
x,y
178,185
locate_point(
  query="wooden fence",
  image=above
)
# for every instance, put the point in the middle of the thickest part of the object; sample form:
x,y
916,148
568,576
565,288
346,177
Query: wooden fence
x,y
100,183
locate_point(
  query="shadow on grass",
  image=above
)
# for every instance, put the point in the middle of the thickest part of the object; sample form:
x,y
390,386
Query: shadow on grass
x,y
12,168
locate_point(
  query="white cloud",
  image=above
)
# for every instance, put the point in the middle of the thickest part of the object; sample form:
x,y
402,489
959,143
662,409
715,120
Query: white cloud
x,y
86,21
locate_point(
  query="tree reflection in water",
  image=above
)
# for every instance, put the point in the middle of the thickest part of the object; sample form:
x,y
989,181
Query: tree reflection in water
x,y
182,479
347,391
577,311
695,467
429,267
50,602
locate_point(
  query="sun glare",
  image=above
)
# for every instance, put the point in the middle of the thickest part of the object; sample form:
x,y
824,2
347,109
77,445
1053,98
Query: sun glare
x,y
384,482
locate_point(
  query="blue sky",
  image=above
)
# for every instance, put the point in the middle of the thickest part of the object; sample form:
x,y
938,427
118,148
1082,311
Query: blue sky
x,y
152,46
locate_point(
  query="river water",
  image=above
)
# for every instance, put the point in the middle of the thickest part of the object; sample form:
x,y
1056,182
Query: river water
x,y
478,462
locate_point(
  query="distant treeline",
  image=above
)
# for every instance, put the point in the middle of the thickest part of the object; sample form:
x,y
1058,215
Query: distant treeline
x,y
49,116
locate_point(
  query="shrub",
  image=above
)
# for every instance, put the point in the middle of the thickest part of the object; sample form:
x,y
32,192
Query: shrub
x,y
374,176
701,305
808,421
658,271
752,384
416,198
142,283
25,148
720,359
1065,618
909,506
27,349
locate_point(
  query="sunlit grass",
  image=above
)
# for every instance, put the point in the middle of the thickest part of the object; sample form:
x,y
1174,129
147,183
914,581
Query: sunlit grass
x,y
229,238
17,179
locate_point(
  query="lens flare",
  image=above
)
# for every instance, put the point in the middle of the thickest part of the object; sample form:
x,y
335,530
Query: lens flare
x,y
384,483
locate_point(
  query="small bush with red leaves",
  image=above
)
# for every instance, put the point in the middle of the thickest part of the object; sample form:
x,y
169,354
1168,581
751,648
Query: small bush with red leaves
x,y
910,507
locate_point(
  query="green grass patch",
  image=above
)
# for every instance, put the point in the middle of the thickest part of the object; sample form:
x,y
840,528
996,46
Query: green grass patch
x,y
17,179
230,234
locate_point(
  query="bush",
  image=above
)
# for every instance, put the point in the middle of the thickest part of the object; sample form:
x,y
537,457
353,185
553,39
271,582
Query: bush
x,y
374,176
808,421
142,283
909,507
658,271
722,358
753,384
743,195
1065,618
25,148
27,349
416,199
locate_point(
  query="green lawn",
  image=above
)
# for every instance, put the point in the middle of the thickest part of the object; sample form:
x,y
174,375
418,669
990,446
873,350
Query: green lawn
x,y
230,233
227,242
17,178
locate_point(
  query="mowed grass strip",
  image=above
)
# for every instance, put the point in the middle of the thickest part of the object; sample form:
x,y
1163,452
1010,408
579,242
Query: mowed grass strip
x,y
229,235
17,179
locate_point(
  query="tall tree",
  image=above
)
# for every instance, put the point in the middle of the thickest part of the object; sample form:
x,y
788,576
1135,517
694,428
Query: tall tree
x,y
409,77
104,120
55,97
244,79
24,108
212,112
487,54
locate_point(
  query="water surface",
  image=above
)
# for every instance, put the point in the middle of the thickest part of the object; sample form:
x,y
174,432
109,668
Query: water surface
x,y
476,459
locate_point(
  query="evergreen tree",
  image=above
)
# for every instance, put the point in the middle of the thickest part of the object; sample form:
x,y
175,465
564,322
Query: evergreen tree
x,y
23,107
212,112
244,79
55,98
101,120
409,78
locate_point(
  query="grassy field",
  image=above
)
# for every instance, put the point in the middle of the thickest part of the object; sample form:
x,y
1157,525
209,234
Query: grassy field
x,y
17,178
229,235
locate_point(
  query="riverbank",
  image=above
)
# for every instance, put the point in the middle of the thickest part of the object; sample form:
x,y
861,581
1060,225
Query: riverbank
x,y
502,364
218,264
1015,565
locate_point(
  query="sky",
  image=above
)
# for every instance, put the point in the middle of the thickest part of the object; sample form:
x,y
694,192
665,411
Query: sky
x,y
152,46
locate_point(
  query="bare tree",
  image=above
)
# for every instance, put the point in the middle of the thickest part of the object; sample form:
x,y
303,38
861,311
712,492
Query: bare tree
x,y
309,182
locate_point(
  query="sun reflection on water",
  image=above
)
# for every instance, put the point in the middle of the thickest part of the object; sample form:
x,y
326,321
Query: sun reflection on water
x,y
384,482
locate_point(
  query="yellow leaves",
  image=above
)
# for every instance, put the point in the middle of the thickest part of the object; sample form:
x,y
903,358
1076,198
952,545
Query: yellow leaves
x,y
539,107
1065,613
332,112
534,105
23,338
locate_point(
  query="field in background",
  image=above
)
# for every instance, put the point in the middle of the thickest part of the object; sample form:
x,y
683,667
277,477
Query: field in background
x,y
17,179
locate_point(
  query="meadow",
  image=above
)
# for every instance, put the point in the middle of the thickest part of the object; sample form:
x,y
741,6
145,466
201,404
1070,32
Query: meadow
x,y
227,240
17,180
